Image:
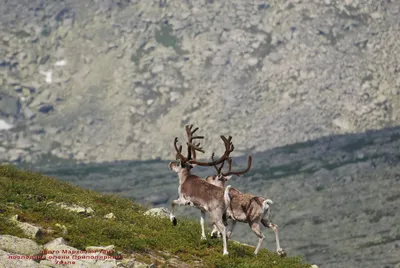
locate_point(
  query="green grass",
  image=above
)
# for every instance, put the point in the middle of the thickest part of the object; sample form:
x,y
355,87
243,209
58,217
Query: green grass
x,y
27,194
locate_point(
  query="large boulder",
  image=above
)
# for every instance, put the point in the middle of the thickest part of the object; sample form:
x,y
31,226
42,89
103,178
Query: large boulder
x,y
22,246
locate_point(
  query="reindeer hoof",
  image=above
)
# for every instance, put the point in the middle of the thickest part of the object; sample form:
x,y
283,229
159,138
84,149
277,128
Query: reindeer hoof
x,y
282,252
203,238
225,253
174,222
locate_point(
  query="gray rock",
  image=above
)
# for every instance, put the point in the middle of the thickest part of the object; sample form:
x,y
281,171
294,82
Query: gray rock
x,y
157,69
252,61
162,212
109,216
15,155
73,207
23,143
11,260
108,249
46,108
9,105
42,98
63,228
22,246
30,230
28,113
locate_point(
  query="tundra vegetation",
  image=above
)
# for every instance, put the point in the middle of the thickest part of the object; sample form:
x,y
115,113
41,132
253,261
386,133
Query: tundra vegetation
x,y
134,234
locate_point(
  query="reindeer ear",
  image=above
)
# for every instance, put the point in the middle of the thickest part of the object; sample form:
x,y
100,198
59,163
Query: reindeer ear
x,y
228,177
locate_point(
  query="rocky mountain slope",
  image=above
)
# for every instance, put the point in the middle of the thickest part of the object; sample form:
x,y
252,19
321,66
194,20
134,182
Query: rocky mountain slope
x,y
112,80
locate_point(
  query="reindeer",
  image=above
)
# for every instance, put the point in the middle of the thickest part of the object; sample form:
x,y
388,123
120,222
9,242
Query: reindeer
x,y
195,191
245,208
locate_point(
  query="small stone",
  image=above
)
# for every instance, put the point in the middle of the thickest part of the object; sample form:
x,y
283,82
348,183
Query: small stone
x,y
63,228
109,216
14,155
162,212
140,90
4,125
29,114
343,123
360,155
150,102
376,15
157,69
89,210
132,110
252,61
46,108
255,45
100,249
23,143
380,99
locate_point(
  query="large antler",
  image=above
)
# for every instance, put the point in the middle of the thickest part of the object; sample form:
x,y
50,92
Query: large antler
x,y
218,169
230,172
192,148
228,149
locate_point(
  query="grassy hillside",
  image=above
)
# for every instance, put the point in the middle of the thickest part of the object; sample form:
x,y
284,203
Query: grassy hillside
x,y
27,194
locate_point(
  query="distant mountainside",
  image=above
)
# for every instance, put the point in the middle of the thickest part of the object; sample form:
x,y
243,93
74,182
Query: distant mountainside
x,y
113,80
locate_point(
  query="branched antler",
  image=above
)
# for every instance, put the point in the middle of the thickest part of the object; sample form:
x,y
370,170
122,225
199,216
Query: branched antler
x,y
228,149
191,147
230,172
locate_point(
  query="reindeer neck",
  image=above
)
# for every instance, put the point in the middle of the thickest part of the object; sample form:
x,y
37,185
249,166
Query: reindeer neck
x,y
183,175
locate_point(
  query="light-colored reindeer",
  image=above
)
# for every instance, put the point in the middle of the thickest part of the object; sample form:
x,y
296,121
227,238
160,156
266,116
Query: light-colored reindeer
x,y
195,191
245,208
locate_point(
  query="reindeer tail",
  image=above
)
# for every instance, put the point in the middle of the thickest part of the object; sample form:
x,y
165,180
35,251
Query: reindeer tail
x,y
266,203
227,197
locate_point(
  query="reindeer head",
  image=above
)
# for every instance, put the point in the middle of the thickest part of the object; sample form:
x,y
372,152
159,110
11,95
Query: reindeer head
x,y
220,179
178,166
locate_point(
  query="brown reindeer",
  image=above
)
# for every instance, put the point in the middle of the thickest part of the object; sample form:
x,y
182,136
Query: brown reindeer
x,y
195,191
245,208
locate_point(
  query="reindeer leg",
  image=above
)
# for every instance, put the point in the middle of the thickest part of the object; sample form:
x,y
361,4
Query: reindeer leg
x,y
214,232
178,202
255,226
230,227
280,250
217,221
202,218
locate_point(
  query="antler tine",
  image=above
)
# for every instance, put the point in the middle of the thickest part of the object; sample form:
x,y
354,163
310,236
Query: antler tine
x,y
238,172
191,147
189,136
179,151
228,149
195,147
218,169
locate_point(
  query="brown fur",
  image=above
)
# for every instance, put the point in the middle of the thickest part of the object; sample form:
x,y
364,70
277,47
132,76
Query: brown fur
x,y
195,191
249,209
